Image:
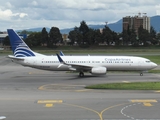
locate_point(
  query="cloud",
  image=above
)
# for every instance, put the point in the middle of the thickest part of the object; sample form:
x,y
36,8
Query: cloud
x,y
34,3
8,5
8,14
69,13
82,5
157,9
22,15
5,14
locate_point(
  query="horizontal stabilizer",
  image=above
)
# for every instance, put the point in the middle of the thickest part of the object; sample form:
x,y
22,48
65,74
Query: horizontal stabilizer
x,y
15,58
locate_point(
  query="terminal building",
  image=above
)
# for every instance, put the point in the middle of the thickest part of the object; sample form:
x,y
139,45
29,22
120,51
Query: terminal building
x,y
134,22
2,37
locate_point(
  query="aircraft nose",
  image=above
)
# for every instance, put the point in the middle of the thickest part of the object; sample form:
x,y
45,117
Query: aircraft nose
x,y
154,65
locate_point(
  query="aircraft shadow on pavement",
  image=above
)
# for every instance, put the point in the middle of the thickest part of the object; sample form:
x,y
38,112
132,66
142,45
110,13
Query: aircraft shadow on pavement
x,y
85,77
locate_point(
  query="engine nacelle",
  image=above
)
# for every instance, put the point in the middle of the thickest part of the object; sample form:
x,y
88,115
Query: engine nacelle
x,y
99,70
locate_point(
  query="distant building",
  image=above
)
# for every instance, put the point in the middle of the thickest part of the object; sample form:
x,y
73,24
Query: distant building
x,y
2,37
66,40
101,30
23,36
5,34
136,21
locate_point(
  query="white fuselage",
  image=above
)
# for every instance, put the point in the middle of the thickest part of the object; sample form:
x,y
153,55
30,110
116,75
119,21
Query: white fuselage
x,y
114,63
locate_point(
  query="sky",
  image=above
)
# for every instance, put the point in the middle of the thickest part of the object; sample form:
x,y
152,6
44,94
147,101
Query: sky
x,y
25,14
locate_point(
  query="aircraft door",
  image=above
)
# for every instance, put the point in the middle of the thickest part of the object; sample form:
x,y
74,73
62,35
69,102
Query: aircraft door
x,y
34,62
140,62
31,62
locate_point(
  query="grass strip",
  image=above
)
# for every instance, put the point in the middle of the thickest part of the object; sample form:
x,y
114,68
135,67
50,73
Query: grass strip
x,y
127,86
153,58
154,71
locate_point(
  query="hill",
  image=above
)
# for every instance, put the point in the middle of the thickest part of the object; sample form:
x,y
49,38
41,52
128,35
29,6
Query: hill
x,y
117,26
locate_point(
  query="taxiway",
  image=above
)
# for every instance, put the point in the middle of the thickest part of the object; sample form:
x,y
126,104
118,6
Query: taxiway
x,y
30,94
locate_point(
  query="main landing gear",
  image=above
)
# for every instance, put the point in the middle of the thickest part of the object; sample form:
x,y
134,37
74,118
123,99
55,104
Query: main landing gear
x,y
81,74
141,74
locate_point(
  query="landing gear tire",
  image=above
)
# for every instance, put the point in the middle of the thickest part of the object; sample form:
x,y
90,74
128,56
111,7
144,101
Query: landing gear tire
x,y
141,74
81,74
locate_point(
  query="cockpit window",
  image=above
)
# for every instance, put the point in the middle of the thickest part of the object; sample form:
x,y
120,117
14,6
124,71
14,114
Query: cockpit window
x,y
148,61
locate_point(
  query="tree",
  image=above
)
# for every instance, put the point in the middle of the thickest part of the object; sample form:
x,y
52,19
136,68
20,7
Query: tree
x,y
34,39
44,39
6,41
55,36
116,38
152,32
158,38
153,38
133,38
84,30
90,36
144,36
23,32
125,37
107,35
129,36
75,36
97,36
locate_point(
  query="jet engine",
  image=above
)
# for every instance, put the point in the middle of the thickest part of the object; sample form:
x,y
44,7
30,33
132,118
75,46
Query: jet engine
x,y
99,70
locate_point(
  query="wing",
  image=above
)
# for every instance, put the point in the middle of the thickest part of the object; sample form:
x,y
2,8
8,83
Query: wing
x,y
80,67
75,67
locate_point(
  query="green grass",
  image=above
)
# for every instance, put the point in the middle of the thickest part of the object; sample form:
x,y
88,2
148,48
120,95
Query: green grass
x,y
154,71
128,86
153,58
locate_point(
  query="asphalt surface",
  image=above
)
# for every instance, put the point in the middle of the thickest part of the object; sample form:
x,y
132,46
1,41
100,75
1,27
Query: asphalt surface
x,y
30,94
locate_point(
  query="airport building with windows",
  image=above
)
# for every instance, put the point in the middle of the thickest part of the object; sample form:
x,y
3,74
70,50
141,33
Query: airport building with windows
x,y
2,37
134,22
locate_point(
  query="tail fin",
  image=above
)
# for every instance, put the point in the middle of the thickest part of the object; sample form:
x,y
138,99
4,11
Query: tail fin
x,y
19,47
61,53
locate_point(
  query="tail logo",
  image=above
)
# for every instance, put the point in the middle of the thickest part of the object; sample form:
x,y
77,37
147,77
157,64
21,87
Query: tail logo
x,y
19,47
23,51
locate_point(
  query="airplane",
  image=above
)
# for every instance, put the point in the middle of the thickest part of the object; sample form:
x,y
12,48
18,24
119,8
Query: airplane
x,y
96,65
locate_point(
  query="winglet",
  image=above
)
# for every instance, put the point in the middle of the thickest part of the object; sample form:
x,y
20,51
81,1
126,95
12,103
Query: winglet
x,y
61,53
60,59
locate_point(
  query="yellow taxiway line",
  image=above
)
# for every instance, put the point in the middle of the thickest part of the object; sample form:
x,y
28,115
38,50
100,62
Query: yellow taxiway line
x,y
145,102
49,101
49,105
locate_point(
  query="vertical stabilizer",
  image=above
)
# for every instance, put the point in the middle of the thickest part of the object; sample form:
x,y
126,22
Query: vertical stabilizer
x,y
19,47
